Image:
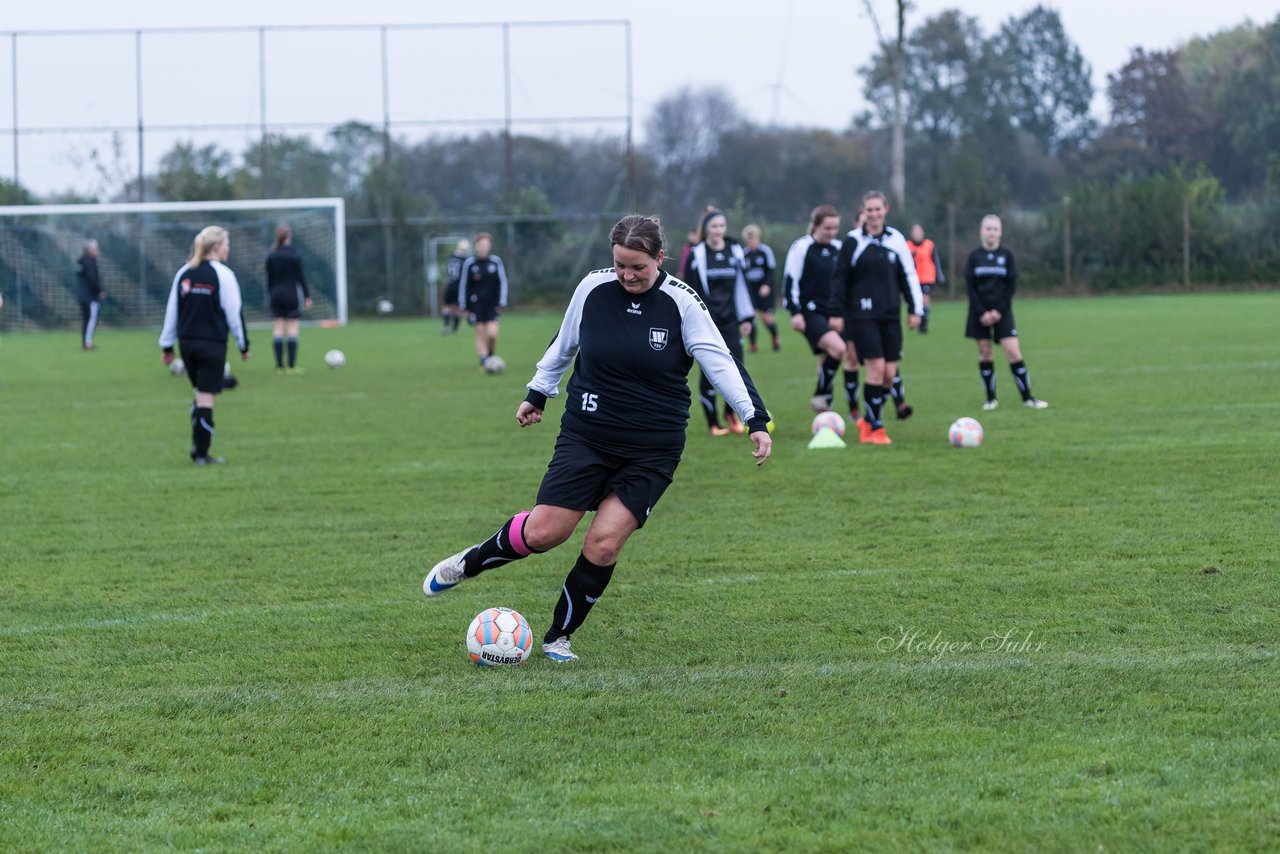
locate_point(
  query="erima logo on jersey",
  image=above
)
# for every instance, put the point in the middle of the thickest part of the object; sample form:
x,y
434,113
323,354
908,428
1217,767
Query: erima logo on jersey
x,y
657,338
635,309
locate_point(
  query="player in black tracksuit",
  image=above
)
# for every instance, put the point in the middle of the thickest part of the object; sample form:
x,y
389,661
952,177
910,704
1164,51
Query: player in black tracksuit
x,y
632,334
482,291
450,310
806,289
991,277
204,306
874,270
761,270
716,267
89,292
288,295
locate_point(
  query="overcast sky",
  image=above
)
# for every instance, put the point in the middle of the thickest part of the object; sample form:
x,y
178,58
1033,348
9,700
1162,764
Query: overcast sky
x,y
793,63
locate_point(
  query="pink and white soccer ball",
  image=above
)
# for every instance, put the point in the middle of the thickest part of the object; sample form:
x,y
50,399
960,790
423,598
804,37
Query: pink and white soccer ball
x,y
499,636
829,420
965,433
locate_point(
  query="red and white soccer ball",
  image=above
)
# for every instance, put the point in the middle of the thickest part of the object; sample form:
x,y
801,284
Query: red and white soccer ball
x,y
965,433
499,636
829,420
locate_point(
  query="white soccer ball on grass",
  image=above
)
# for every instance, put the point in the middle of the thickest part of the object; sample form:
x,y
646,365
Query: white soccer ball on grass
x,y
965,433
335,358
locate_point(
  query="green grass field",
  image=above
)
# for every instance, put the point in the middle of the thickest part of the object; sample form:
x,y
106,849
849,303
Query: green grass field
x,y
1063,640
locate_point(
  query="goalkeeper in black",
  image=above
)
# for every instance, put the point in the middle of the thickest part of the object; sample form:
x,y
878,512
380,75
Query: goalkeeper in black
x,y
632,334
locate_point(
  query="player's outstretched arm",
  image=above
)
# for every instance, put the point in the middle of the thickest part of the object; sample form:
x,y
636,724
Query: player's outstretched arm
x,y
528,414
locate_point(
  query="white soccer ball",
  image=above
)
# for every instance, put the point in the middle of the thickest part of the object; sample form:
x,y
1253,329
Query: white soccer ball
x,y
385,306
494,365
335,358
177,367
828,420
965,433
499,636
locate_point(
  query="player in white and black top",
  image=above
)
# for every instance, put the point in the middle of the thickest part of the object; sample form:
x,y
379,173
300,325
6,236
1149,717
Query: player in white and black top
x,y
806,289
632,334
874,271
204,307
761,272
716,267
991,277
450,310
482,292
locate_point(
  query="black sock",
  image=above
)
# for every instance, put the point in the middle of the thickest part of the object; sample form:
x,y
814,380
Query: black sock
x,y
899,396
873,398
277,347
201,431
506,544
751,336
851,388
988,370
707,397
292,344
773,329
584,584
448,319
1022,379
457,318
826,378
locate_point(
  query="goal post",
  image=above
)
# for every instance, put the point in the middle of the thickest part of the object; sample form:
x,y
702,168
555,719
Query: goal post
x,y
142,244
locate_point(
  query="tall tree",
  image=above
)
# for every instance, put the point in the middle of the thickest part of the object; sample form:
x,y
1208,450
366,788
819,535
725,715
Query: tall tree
x,y
683,134
1153,106
191,173
895,54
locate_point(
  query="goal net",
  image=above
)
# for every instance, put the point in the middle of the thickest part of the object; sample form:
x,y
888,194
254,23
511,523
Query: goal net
x,y
142,245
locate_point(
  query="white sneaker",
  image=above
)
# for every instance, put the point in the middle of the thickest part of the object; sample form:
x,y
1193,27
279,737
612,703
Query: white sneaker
x,y
445,575
558,650
1035,403
991,404
819,403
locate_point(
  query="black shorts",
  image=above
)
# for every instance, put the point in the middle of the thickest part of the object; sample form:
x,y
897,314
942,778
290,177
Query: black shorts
x,y
815,326
451,293
206,363
1003,329
760,303
482,312
875,339
583,472
286,302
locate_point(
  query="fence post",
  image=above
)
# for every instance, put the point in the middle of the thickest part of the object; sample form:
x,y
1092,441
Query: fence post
x,y
1186,242
1066,241
951,249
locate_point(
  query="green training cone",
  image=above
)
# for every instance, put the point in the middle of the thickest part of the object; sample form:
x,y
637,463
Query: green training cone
x,y
826,438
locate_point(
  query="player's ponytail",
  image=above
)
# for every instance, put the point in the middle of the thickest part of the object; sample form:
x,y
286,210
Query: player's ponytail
x,y
209,238
284,234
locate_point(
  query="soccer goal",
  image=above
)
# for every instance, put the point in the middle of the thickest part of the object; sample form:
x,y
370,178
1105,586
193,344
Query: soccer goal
x,y
142,245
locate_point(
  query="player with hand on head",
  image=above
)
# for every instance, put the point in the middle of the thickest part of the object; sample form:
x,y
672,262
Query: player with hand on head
x,y
717,269
288,295
991,277
632,334
482,292
761,266
90,293
806,290
204,306
873,271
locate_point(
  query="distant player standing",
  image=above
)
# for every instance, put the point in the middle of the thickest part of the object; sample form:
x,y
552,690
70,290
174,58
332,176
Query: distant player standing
x,y
716,267
451,311
928,268
204,306
806,289
288,295
90,293
874,269
991,277
761,268
482,292
631,334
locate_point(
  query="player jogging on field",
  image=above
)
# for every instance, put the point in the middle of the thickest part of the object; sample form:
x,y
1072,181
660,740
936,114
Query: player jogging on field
x,y
482,292
874,269
806,289
632,334
761,269
991,277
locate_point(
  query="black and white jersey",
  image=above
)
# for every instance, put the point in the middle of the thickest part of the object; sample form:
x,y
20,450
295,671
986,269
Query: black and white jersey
x,y
870,275
760,267
284,270
87,281
991,276
453,269
204,304
631,357
721,276
806,275
482,281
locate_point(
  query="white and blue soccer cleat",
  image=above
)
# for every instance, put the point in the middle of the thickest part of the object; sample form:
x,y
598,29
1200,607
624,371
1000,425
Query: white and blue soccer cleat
x,y
445,575
558,650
